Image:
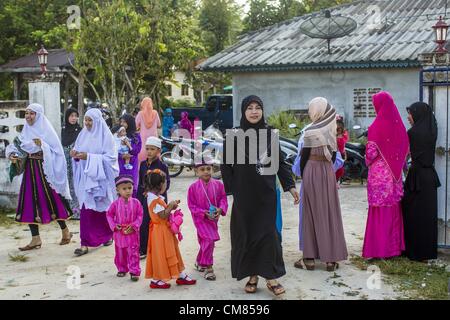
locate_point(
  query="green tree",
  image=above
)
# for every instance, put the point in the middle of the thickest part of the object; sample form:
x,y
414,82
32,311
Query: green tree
x,y
130,49
264,13
220,23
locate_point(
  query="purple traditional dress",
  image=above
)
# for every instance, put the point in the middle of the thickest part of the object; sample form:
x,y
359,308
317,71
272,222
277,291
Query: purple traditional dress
x,y
44,192
94,180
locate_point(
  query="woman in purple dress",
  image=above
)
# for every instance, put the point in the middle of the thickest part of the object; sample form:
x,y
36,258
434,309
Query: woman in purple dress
x,y
94,170
44,192
129,123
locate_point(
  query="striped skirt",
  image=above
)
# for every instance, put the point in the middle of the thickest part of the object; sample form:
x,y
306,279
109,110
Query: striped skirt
x,y
38,202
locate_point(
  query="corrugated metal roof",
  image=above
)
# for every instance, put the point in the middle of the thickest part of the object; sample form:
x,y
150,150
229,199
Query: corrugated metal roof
x,y
405,31
58,59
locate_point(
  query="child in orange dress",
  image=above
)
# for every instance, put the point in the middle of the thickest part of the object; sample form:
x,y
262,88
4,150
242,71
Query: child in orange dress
x,y
164,260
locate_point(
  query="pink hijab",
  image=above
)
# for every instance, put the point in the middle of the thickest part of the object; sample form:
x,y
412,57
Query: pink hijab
x,y
147,112
389,133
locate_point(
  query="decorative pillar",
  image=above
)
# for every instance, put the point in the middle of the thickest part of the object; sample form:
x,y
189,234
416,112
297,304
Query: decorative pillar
x,y
47,94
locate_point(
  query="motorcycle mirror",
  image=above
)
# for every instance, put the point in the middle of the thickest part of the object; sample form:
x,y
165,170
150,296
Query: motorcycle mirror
x,y
292,126
357,127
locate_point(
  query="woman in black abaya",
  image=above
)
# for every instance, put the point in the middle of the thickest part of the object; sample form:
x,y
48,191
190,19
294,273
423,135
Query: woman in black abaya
x,y
255,244
420,199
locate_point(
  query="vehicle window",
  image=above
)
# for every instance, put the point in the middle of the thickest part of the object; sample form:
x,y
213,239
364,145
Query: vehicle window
x,y
226,103
211,106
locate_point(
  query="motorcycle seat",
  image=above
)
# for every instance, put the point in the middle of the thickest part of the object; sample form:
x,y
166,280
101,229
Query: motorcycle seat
x,y
357,146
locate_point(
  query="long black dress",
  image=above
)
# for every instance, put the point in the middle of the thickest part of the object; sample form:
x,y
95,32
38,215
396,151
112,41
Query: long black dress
x,y
420,198
255,244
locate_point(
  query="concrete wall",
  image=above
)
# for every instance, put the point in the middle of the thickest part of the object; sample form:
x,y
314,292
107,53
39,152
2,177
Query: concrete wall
x,y
293,90
11,119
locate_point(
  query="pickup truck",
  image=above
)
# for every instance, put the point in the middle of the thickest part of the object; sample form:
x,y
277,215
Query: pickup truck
x,y
218,107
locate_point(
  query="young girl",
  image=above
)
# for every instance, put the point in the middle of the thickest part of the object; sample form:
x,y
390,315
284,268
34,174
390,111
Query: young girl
x,y
125,218
164,260
123,146
207,201
342,138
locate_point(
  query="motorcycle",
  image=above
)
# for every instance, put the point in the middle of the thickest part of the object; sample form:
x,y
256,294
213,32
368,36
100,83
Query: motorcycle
x,y
355,164
177,149
213,139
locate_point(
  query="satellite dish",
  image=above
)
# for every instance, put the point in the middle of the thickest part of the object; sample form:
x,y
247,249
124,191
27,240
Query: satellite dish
x,y
326,26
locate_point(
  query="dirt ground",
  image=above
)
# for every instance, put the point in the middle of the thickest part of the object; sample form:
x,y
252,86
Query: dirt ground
x,y
46,273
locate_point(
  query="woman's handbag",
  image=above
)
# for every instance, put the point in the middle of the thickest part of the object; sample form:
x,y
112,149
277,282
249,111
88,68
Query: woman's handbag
x,y
18,167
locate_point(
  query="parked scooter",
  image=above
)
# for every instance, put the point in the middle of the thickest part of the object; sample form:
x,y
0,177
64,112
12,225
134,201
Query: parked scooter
x,y
355,164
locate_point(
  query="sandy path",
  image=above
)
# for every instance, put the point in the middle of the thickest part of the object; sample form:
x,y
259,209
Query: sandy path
x,y
44,276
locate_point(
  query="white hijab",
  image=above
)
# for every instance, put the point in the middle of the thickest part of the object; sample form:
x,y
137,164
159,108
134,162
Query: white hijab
x,y
54,164
322,131
94,177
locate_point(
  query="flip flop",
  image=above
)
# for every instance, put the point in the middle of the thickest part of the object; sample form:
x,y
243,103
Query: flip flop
x,y
332,266
251,287
274,288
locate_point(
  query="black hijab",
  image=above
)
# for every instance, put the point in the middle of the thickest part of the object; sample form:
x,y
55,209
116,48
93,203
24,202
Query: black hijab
x,y
245,124
423,134
70,131
131,124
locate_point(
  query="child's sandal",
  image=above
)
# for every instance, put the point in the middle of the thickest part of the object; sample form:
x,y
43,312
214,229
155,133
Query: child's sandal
x,y
209,275
199,268
121,274
134,277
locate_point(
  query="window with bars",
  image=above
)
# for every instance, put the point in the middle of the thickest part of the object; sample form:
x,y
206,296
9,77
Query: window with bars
x,y
362,102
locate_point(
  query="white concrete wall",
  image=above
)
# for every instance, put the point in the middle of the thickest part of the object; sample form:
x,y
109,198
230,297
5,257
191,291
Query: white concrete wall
x,y
8,190
178,81
294,89
48,95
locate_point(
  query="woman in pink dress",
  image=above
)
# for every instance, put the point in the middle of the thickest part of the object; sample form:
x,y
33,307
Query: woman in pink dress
x,y
147,122
387,148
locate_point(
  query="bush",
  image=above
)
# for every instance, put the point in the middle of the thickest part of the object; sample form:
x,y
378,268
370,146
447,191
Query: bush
x,y
281,121
181,103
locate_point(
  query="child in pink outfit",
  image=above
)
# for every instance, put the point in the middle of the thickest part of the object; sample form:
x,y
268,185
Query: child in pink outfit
x,y
207,201
125,218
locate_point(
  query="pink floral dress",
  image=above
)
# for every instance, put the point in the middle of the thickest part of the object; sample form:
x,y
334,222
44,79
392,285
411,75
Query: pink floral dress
x,y
382,187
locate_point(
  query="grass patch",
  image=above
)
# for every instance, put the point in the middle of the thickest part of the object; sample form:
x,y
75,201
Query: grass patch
x,y
414,279
5,217
18,257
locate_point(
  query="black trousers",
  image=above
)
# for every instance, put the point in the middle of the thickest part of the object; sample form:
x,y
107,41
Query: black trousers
x,y
34,228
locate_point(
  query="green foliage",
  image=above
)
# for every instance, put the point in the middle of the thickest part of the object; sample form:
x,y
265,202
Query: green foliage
x,y
264,13
180,103
282,120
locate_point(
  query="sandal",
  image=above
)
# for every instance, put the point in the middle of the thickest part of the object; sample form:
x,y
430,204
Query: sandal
x,y
276,289
81,251
302,264
209,275
251,287
199,268
134,277
108,243
65,241
28,247
121,274
332,266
